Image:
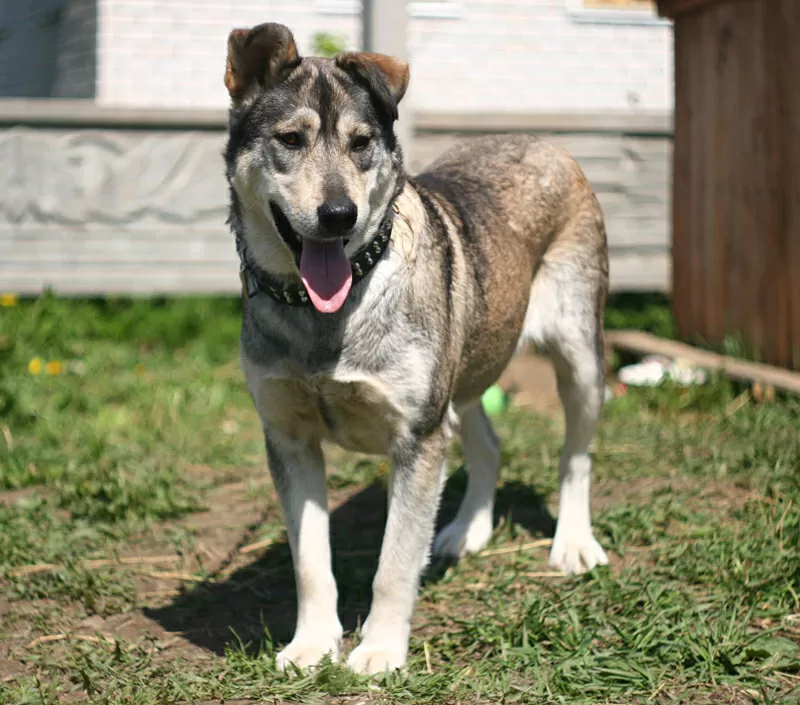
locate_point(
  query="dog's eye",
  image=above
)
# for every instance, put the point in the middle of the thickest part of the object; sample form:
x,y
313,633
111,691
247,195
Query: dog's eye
x,y
293,140
360,143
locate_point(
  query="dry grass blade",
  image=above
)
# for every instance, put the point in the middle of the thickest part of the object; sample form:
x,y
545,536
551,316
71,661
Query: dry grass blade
x,y
9,438
545,574
52,638
256,546
541,543
159,594
92,564
32,569
173,575
131,560
739,403
207,552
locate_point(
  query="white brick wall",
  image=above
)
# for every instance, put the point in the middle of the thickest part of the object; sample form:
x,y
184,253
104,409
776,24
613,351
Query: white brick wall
x,y
532,55
171,53
535,56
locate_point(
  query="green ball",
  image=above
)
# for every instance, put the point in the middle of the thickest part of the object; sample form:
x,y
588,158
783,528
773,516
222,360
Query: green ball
x,y
494,400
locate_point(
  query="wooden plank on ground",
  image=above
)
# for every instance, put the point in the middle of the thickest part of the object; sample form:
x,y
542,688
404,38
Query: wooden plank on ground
x,y
641,343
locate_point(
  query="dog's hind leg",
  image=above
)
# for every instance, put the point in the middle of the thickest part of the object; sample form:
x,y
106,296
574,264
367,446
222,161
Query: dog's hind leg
x,y
471,529
564,319
579,373
298,472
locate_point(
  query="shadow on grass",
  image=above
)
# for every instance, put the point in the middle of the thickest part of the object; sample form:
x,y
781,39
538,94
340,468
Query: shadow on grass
x,y
238,608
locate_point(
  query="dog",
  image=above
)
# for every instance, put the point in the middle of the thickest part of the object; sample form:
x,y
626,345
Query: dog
x,y
378,308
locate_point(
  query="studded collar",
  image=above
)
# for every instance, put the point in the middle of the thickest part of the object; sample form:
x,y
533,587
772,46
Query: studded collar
x,y
256,281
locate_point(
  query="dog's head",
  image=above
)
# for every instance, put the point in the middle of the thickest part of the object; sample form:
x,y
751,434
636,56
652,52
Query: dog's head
x,y
313,161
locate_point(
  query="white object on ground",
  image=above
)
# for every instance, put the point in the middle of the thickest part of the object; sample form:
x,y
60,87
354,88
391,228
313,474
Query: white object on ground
x,y
653,370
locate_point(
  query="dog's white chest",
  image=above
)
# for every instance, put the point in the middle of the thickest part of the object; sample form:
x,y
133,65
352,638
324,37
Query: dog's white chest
x,y
356,412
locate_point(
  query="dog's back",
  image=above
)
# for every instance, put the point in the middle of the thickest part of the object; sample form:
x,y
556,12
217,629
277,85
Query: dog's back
x,y
522,211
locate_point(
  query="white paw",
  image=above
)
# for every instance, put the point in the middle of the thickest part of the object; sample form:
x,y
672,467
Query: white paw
x,y
370,659
458,539
576,551
380,650
307,651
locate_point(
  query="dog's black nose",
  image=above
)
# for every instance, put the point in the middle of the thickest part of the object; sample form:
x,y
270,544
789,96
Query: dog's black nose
x,y
338,216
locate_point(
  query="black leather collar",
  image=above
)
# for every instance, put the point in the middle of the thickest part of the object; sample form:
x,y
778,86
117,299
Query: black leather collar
x,y
256,281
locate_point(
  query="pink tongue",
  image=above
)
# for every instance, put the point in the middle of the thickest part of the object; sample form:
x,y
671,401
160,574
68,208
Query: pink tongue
x,y
326,272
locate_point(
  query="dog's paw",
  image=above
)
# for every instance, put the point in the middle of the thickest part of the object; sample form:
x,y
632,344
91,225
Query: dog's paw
x,y
373,657
576,552
380,650
305,652
458,539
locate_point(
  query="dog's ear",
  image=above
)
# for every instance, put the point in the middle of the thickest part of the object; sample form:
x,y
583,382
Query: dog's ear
x,y
264,54
384,76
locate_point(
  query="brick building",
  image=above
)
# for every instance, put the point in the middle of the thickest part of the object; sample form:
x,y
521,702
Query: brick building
x,y
551,56
123,191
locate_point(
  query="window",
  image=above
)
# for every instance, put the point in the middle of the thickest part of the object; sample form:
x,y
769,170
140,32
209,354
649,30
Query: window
x,y
615,11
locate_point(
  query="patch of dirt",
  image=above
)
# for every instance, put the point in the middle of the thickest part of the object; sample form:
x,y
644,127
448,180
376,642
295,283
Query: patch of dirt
x,y
11,497
531,382
10,669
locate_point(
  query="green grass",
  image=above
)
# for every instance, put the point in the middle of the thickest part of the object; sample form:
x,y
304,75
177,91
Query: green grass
x,y
647,312
147,445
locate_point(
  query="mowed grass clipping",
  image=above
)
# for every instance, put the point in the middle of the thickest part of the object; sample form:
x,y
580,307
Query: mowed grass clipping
x,y
127,435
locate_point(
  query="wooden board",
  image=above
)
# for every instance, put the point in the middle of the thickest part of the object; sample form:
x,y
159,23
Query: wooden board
x,y
736,185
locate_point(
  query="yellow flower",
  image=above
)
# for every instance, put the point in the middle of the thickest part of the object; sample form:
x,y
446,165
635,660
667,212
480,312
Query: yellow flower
x,y
35,366
8,300
139,370
54,367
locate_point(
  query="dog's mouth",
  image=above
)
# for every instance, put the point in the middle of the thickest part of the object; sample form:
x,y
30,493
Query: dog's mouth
x,y
286,231
324,266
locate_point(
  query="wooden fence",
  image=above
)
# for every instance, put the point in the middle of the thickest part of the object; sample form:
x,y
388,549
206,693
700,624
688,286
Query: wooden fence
x,y
737,175
100,200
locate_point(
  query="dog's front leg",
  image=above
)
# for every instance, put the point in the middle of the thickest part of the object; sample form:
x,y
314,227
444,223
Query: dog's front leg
x,y
418,466
298,472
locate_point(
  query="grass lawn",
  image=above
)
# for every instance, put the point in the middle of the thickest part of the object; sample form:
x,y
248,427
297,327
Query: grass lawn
x,y
143,559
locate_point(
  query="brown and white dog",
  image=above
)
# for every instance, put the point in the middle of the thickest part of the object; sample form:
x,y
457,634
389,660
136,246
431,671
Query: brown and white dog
x,y
378,308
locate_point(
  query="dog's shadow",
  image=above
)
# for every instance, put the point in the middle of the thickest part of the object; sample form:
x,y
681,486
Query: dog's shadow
x,y
236,609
